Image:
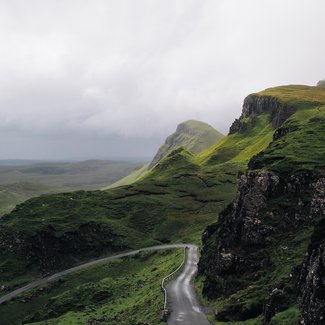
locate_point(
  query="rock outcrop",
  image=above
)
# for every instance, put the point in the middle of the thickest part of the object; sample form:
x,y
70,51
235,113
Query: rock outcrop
x,y
312,277
194,136
312,287
255,105
237,250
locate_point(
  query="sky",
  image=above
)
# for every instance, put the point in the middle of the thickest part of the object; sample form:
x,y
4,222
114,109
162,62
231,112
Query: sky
x,y
86,79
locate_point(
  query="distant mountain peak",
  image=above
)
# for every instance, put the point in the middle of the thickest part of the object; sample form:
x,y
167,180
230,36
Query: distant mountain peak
x,y
194,136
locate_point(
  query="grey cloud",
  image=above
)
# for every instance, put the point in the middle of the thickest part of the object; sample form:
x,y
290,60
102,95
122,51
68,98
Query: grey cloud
x,y
116,69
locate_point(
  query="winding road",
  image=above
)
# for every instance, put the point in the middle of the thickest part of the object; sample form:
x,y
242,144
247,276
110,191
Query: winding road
x,y
182,300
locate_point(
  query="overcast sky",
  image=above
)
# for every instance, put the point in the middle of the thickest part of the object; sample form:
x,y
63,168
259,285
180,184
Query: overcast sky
x,y
112,78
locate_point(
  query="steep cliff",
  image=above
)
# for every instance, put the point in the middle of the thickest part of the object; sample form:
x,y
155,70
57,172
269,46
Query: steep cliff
x,y
311,282
194,136
255,105
252,257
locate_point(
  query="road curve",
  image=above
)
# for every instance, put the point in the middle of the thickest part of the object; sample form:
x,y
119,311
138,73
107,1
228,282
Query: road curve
x,y
83,266
182,301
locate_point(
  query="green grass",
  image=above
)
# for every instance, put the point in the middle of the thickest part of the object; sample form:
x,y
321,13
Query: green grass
x,y
296,94
124,291
133,177
240,147
194,136
288,317
16,193
302,148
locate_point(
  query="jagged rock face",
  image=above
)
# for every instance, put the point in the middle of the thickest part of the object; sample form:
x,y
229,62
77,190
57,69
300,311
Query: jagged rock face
x,y
273,304
312,277
255,105
194,136
237,247
312,287
321,83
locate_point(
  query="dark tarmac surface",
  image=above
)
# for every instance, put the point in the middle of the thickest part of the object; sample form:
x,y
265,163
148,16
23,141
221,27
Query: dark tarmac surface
x,y
182,300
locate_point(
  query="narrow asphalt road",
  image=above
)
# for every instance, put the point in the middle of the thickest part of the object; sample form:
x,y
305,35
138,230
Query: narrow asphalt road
x,y
55,276
182,301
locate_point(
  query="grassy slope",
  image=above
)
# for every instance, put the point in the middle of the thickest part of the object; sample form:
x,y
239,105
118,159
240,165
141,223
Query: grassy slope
x,y
192,135
204,136
125,291
16,193
133,177
240,147
301,149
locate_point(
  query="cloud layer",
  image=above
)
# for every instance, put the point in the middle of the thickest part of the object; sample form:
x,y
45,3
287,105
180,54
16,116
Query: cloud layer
x,y
129,68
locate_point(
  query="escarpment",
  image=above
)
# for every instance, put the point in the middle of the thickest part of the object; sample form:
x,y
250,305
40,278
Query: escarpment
x,y
266,207
255,105
264,257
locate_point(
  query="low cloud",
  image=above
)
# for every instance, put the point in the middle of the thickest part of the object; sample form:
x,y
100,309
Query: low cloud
x,y
137,68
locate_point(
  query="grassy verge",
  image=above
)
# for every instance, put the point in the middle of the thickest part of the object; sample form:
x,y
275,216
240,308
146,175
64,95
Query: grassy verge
x,y
125,291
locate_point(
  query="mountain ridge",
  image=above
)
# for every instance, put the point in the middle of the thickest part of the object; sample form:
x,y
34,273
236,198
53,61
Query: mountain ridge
x,y
194,136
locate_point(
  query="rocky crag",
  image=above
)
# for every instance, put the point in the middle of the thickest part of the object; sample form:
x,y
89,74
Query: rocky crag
x,y
254,258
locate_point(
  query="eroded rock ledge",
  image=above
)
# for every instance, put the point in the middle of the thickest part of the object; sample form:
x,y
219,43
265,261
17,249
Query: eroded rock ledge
x,y
236,251
255,105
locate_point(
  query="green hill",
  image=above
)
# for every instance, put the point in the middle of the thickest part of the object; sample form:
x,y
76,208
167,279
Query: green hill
x,y
194,136
134,176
